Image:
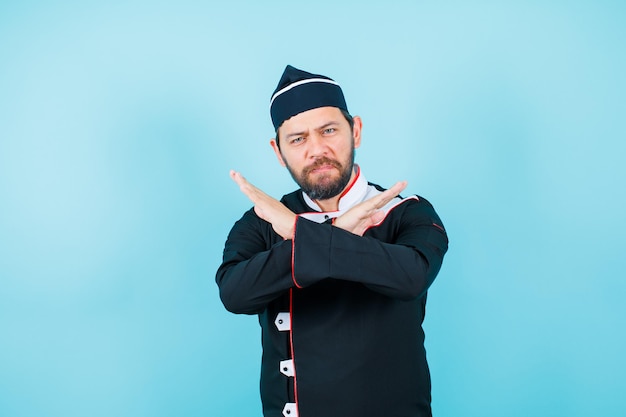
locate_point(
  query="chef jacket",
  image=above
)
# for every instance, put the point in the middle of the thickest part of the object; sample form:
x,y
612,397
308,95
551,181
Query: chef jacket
x,y
341,314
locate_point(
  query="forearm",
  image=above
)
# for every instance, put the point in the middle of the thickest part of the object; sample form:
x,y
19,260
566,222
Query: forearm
x,y
403,269
256,266
248,285
394,270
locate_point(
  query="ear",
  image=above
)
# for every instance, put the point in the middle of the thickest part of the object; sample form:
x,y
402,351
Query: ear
x,y
277,152
356,131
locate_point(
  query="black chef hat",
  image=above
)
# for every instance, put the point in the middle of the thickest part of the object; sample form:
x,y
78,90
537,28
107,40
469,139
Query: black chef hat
x,y
299,91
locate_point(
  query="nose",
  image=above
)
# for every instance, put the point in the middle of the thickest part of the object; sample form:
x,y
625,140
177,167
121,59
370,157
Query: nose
x,y
317,146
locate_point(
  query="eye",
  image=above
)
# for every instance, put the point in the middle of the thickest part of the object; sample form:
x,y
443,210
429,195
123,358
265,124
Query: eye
x,y
297,140
329,131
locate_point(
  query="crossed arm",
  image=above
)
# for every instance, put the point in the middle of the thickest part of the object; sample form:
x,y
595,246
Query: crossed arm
x,y
253,273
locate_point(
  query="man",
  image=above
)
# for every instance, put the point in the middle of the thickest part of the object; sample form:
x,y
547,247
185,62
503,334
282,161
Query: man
x,y
336,271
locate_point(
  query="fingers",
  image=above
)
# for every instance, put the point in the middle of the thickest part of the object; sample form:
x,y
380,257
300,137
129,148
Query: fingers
x,y
248,189
399,187
386,196
266,207
238,178
377,217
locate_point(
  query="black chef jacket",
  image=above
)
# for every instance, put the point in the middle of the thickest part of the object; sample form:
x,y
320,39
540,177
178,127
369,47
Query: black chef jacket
x,y
341,315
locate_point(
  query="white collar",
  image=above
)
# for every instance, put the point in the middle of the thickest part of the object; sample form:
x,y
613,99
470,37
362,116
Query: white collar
x,y
354,194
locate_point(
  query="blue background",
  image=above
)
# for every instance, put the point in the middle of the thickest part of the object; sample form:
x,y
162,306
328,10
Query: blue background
x,y
119,122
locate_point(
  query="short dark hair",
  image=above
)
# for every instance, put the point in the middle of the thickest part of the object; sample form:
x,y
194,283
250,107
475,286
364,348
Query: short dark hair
x,y
347,115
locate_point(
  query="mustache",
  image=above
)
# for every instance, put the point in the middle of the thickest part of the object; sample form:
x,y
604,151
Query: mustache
x,y
321,162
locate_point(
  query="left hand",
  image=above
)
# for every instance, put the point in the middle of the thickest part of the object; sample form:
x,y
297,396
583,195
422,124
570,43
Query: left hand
x,y
366,214
268,208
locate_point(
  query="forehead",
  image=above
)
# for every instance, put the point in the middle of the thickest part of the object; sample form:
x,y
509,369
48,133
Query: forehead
x,y
311,119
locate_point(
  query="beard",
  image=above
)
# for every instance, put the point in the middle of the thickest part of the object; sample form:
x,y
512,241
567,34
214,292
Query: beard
x,y
325,186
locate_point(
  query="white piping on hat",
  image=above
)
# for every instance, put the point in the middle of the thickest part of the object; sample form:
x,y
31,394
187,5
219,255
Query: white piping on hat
x,y
297,83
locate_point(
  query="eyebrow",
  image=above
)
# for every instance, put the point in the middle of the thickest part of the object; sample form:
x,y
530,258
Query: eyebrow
x,y
325,125
322,127
291,135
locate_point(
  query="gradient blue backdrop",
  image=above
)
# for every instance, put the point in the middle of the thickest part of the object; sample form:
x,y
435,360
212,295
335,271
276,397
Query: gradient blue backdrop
x,y
120,120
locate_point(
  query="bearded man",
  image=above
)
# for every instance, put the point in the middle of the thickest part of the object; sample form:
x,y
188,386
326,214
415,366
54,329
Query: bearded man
x,y
336,271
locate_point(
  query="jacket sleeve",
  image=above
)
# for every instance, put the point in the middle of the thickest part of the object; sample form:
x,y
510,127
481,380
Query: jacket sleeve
x,y
256,266
399,258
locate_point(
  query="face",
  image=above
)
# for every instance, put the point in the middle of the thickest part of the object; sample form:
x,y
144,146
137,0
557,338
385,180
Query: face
x,y
317,147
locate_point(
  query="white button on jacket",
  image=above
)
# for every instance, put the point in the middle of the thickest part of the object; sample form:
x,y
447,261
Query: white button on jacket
x,y
286,367
283,322
290,410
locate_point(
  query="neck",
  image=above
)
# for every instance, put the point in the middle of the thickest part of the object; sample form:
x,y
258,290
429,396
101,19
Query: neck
x,y
331,204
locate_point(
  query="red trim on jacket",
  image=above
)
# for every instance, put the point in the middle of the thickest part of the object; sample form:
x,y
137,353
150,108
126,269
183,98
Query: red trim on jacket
x,y
293,358
349,187
293,254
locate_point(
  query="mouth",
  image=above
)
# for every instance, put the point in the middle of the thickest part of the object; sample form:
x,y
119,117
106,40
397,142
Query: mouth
x,y
323,166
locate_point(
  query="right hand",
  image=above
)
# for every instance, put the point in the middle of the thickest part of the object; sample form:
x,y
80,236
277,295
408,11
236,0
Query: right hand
x,y
268,208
